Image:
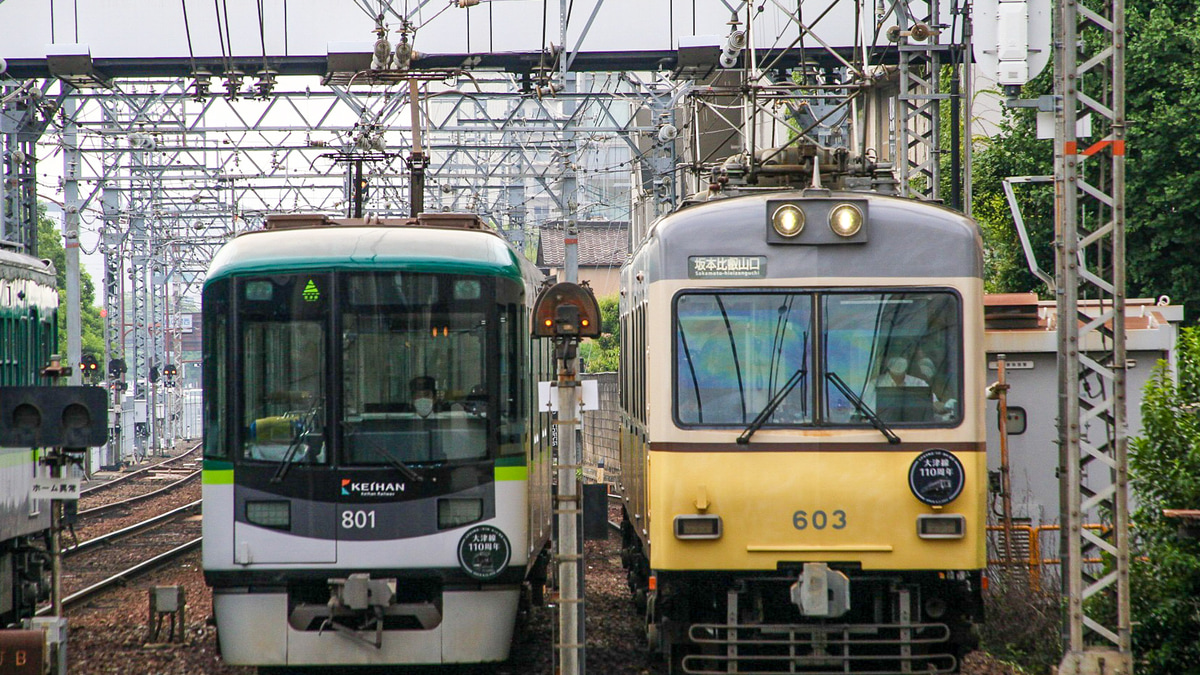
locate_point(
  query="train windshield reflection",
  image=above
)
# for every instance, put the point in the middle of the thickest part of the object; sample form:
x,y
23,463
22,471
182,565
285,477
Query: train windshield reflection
x,y
737,353
414,355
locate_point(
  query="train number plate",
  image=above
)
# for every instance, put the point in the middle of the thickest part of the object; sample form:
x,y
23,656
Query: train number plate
x,y
819,519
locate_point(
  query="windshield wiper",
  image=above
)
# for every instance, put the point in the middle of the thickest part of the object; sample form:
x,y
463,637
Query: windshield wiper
x,y
286,462
766,412
863,408
403,468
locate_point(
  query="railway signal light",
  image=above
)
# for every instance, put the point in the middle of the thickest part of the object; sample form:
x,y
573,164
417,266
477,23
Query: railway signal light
x,y
88,365
43,417
566,310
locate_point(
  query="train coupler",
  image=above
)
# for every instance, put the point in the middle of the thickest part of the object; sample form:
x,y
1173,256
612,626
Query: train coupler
x,y
821,592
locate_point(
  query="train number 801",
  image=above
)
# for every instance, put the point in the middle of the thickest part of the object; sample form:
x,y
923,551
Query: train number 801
x,y
358,520
819,520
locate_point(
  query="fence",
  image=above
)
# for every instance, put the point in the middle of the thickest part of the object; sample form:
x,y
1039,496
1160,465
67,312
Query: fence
x,y
1034,549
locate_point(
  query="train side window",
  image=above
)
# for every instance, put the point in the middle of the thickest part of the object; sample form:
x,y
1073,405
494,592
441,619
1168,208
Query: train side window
x,y
641,353
623,367
511,328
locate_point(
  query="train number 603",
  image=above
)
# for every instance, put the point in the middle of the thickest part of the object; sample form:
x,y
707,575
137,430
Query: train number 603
x,y
357,520
819,520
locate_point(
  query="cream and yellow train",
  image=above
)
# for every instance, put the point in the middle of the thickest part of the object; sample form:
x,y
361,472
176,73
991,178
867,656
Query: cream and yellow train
x,y
802,445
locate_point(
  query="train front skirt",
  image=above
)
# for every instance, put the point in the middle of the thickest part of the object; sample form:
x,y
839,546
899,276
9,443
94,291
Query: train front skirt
x,y
471,626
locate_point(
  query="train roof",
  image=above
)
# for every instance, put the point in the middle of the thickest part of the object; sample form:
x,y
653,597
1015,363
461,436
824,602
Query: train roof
x,y
15,266
908,238
427,249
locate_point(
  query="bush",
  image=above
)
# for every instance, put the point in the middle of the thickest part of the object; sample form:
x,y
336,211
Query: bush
x,y
1024,622
1164,470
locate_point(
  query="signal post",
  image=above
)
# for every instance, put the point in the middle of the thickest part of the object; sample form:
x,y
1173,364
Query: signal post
x,y
568,312
63,422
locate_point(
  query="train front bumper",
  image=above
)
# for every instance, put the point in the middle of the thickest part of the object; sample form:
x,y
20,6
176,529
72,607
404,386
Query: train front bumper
x,y
476,626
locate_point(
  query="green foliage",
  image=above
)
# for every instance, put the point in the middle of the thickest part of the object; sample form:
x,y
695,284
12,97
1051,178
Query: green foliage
x,y
602,355
1165,474
1014,151
50,246
1163,164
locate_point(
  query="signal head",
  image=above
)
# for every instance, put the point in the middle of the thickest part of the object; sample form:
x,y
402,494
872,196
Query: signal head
x,y
566,310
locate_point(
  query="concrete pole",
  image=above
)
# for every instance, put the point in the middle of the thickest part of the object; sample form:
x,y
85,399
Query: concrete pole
x,y
570,613
70,233
570,559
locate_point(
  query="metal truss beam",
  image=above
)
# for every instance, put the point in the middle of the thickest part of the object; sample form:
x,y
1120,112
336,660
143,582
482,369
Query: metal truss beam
x,y
922,53
517,63
1090,278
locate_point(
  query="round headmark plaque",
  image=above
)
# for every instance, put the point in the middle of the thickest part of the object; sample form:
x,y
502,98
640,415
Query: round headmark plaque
x,y
484,552
936,477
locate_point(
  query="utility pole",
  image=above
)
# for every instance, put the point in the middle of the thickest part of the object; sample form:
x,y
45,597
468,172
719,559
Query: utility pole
x,y
567,508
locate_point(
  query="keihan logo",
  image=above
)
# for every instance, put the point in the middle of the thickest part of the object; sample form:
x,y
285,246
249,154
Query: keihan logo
x,y
351,488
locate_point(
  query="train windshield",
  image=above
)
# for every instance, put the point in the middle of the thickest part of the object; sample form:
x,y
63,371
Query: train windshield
x,y
283,356
746,355
415,352
898,351
736,351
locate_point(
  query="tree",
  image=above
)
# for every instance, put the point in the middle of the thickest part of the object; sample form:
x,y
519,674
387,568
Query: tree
x,y
602,354
1165,474
1015,151
1163,165
50,246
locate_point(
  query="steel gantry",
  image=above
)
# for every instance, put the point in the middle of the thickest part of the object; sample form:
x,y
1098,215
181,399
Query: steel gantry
x,y
166,179
1090,279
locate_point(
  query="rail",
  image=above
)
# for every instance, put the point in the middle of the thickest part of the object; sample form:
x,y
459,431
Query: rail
x,y
132,529
100,487
143,567
137,498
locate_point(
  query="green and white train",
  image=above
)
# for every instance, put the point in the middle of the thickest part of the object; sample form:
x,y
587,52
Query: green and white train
x,y
28,337
376,474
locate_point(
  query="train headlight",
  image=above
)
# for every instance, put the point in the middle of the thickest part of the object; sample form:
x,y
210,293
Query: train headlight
x,y
455,512
698,527
845,220
276,514
936,526
788,220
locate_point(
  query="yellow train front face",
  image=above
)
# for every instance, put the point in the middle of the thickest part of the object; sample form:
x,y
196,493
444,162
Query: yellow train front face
x,y
778,506
803,461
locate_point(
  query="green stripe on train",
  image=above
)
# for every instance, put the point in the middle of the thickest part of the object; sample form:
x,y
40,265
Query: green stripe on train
x,y
221,477
511,473
10,457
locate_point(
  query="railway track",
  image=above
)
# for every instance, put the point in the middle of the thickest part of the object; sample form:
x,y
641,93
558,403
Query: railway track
x,y
132,551
142,472
129,489
122,543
